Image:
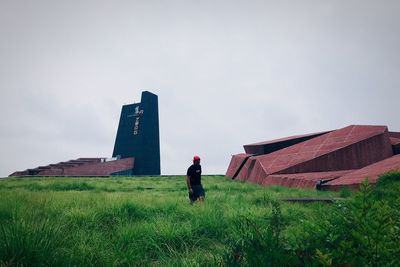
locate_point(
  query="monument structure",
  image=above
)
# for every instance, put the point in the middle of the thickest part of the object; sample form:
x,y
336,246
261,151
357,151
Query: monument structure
x,y
327,160
136,149
138,135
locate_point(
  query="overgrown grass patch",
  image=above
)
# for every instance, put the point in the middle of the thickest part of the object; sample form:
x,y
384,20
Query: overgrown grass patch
x,y
148,221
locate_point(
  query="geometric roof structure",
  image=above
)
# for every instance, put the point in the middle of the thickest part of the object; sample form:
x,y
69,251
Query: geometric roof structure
x,y
82,167
305,180
395,144
270,146
312,158
353,179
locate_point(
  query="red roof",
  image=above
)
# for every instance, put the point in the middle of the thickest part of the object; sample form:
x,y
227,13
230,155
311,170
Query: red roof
x,y
394,141
344,156
371,171
308,180
286,139
304,152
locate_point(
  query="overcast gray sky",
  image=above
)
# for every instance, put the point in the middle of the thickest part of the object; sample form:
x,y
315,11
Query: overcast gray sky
x,y
227,73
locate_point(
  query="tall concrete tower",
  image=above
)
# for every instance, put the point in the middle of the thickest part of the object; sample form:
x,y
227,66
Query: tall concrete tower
x,y
138,135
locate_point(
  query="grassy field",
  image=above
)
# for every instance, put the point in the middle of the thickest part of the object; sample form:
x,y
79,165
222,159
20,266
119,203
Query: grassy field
x,y
148,221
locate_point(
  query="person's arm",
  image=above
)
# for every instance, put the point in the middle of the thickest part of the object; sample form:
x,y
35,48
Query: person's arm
x,y
188,184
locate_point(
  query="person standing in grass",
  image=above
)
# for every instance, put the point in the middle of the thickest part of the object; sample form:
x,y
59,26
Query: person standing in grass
x,y
193,180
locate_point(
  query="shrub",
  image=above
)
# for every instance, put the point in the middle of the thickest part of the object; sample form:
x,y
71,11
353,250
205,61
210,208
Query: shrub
x,y
388,187
363,231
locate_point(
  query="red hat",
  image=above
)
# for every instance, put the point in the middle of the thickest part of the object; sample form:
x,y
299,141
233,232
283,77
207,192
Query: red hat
x,y
195,158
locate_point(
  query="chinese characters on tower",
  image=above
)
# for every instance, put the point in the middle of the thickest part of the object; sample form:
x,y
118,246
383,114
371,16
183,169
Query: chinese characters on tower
x,y
138,113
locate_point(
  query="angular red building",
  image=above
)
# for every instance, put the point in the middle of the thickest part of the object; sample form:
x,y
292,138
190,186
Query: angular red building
x,y
82,167
331,160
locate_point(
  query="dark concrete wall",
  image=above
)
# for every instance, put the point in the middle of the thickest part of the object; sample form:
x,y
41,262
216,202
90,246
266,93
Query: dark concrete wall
x,y
138,135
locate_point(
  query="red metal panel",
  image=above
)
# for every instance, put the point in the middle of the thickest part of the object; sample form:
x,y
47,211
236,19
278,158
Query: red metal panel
x,y
353,179
246,169
331,152
394,141
307,180
395,145
270,146
328,156
394,134
354,156
236,163
257,173
102,168
81,167
286,139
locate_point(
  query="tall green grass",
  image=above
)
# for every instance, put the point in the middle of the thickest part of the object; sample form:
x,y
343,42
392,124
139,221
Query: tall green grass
x,y
148,221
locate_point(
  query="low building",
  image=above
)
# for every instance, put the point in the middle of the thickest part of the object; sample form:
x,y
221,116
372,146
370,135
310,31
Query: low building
x,y
327,160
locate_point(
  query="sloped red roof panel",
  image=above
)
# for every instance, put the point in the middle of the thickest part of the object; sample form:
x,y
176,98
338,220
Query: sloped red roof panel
x,y
354,156
336,155
394,134
394,141
270,146
288,138
323,153
236,163
81,167
307,180
372,171
93,168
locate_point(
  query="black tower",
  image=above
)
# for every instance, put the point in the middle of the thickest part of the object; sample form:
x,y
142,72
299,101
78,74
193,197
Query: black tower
x,y
138,135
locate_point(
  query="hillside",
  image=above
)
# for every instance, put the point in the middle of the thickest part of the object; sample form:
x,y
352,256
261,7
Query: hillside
x,y
142,221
